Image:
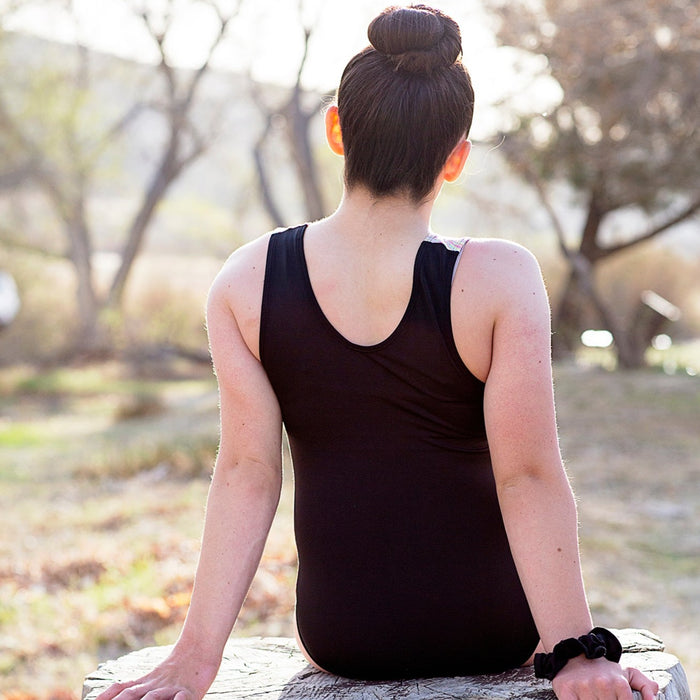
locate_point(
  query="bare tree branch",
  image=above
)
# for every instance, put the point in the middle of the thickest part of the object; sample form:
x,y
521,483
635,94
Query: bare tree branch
x,y
120,125
16,175
554,219
176,155
654,231
158,36
199,73
66,179
264,183
263,179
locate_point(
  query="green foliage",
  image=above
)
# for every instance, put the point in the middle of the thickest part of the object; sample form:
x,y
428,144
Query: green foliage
x,y
20,435
103,422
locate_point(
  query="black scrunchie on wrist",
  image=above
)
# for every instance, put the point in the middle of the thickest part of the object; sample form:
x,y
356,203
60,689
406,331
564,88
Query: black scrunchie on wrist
x,y
597,643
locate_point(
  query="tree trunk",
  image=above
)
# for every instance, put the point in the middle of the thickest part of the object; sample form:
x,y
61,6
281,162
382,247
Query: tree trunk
x,y
568,322
298,133
274,669
168,169
90,338
580,308
266,192
630,355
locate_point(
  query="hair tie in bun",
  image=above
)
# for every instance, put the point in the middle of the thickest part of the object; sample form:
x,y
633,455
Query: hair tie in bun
x,y
416,38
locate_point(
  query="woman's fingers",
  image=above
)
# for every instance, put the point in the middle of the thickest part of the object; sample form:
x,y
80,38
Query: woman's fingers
x,y
148,687
114,690
638,681
583,679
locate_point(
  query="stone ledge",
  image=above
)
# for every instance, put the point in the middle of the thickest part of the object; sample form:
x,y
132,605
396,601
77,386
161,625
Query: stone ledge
x,y
274,669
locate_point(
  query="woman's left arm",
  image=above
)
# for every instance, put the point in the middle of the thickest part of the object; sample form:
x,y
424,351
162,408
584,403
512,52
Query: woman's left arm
x,y
535,497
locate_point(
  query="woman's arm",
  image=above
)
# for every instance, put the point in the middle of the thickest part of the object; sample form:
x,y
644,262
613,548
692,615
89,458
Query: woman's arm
x,y
536,500
241,504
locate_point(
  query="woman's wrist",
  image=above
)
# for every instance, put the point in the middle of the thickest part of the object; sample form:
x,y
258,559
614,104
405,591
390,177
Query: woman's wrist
x,y
598,643
193,650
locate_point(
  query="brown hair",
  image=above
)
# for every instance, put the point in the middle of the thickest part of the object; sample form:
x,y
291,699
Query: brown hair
x,y
404,102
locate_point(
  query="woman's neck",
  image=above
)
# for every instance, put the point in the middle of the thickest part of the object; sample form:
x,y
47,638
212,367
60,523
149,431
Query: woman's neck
x,y
362,216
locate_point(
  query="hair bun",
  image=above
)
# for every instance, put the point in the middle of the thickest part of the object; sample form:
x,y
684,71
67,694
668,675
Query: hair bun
x,y
417,38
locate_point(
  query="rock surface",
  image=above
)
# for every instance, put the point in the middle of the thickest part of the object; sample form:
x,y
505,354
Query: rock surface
x,y
274,669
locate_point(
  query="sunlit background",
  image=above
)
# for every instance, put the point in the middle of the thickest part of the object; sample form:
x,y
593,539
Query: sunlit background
x,y
267,41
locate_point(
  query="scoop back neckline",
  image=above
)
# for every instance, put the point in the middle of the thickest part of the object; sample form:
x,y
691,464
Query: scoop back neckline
x,y
373,347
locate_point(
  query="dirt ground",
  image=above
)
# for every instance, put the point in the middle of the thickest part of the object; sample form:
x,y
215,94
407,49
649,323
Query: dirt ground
x,y
631,442
96,558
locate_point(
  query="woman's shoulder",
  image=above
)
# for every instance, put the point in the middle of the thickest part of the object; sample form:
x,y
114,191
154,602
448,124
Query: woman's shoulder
x,y
498,278
495,279
503,267
501,250
244,270
241,267
238,287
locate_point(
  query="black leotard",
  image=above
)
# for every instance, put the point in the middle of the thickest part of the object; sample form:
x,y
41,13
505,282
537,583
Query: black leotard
x,y
404,564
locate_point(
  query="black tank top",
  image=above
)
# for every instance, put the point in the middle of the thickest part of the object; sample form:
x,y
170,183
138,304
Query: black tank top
x,y
404,565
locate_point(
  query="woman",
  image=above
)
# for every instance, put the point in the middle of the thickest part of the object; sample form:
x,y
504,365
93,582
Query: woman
x,y
435,524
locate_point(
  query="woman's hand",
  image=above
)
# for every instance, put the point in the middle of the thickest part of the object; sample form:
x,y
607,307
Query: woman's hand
x,y
173,679
600,679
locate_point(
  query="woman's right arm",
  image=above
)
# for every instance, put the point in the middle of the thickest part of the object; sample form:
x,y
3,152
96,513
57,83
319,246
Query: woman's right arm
x,y
538,507
241,504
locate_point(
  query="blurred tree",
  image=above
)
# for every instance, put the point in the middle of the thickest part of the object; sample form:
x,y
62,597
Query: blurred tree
x,y
51,122
625,134
291,114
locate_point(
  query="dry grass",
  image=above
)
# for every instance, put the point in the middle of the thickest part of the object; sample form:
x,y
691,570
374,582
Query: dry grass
x,y
101,508
632,444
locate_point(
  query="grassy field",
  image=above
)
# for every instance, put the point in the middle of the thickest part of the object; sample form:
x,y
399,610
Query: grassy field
x,y
103,476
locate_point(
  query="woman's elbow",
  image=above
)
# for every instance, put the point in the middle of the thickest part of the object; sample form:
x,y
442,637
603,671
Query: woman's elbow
x,y
537,476
259,480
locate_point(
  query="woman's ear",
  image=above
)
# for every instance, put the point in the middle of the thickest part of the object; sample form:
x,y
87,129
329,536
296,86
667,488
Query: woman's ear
x,y
455,162
333,135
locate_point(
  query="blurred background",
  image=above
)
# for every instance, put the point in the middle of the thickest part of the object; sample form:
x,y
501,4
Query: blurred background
x,y
142,141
